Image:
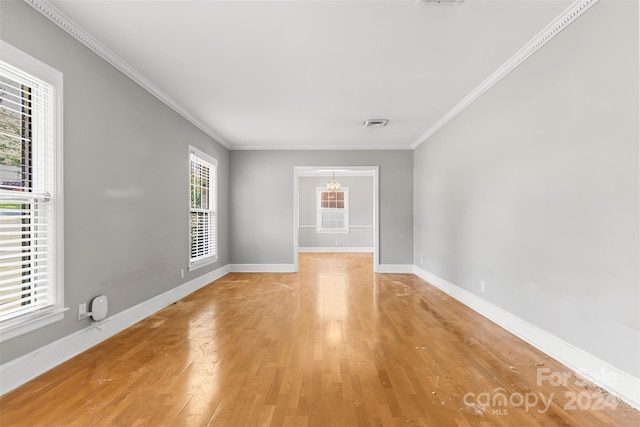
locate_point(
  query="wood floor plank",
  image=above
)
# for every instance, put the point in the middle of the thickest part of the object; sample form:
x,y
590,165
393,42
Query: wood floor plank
x,y
332,345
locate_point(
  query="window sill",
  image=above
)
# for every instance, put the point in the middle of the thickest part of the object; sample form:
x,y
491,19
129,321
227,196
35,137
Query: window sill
x,y
202,263
21,325
321,231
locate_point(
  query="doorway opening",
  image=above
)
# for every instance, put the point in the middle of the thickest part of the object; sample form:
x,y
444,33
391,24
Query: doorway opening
x,y
345,219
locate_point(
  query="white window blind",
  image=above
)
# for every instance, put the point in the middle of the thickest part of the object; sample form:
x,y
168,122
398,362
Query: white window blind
x,y
28,197
203,203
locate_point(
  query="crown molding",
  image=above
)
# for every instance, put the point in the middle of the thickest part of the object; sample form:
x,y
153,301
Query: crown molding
x,y
241,147
67,24
576,9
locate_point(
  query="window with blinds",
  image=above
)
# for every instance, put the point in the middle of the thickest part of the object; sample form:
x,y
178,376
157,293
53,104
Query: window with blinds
x,y
30,284
202,215
332,214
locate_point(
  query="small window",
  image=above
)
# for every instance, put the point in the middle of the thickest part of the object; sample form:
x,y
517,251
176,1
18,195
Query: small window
x,y
31,284
203,222
332,211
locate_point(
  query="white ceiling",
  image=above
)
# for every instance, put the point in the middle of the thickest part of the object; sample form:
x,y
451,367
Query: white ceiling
x,y
306,74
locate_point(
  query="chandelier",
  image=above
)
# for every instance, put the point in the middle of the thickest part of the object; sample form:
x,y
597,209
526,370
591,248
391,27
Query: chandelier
x,y
333,185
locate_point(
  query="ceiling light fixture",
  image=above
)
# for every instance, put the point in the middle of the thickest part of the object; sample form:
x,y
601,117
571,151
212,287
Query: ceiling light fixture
x,y
333,185
375,123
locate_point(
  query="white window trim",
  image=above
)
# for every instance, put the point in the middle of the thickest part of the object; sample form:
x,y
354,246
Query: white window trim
x,y
346,229
201,262
17,326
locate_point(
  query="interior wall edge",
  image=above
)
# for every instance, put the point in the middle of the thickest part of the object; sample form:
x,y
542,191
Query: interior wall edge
x,y
52,13
569,16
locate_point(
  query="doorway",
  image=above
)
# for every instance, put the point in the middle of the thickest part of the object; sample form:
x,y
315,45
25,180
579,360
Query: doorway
x,y
361,225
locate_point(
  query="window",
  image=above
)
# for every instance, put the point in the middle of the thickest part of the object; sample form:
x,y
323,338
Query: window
x,y
31,285
332,214
202,214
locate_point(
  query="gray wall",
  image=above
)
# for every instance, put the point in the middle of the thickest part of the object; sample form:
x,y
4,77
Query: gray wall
x,y
360,233
534,189
261,185
125,180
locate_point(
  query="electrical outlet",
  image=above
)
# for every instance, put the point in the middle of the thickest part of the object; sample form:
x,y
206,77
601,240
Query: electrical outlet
x,y
420,260
182,273
482,286
82,311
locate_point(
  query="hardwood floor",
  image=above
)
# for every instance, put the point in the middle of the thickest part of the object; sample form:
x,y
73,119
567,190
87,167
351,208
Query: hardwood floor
x,y
333,345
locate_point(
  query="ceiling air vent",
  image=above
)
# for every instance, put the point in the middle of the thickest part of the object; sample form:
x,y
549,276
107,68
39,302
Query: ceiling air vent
x,y
375,123
438,1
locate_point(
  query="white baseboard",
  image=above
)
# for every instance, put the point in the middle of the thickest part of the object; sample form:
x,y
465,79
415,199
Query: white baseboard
x,y
591,368
395,268
262,268
25,368
330,249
